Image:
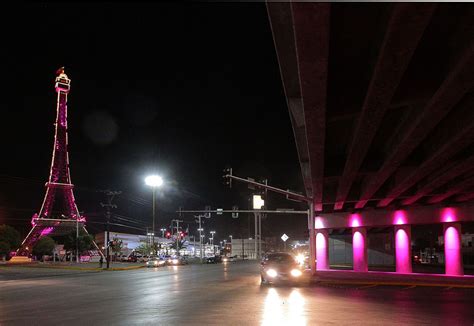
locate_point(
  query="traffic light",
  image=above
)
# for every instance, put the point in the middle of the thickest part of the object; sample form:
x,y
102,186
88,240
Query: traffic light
x,y
236,214
227,179
168,234
207,214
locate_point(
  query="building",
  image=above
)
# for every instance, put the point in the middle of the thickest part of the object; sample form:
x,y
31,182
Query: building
x,y
245,248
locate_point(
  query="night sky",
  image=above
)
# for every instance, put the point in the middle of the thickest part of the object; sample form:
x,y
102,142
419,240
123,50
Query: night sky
x,y
179,89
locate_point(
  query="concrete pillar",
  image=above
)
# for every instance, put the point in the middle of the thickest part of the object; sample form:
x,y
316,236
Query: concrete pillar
x,y
452,249
403,249
322,249
359,249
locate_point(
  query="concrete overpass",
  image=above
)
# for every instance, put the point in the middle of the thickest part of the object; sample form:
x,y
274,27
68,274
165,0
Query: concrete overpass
x,y
381,99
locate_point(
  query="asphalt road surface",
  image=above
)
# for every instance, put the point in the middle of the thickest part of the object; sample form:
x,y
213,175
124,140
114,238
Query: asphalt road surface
x,y
215,295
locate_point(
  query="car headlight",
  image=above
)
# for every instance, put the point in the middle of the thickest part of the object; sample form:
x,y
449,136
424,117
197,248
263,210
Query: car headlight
x,y
161,262
296,272
272,273
155,263
175,261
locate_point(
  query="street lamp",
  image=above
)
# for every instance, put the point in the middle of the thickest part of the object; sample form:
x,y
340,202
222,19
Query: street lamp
x,y
212,241
154,181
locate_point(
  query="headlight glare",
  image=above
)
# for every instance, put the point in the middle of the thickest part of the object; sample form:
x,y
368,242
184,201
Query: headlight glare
x,y
296,272
272,273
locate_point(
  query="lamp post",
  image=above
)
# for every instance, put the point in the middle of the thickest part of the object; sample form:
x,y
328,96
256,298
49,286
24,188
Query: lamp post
x,y
212,241
154,181
201,236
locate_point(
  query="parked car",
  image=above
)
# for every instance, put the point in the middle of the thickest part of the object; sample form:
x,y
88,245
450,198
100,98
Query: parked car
x,y
133,258
280,267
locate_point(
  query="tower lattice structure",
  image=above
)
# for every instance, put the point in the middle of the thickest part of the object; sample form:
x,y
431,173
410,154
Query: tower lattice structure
x,y
58,214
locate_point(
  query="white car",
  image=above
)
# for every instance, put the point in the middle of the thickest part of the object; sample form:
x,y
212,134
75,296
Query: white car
x,y
228,259
155,262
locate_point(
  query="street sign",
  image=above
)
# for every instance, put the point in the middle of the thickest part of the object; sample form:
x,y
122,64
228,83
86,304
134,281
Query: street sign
x,y
207,214
236,214
219,211
284,237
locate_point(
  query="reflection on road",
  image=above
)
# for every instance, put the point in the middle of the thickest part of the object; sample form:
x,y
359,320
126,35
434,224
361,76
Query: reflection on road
x,y
283,309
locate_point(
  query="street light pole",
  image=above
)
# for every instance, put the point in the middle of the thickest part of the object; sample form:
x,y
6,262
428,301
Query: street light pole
x,y
212,242
153,226
200,236
153,181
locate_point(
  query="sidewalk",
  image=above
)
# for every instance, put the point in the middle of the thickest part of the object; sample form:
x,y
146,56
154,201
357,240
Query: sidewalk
x,y
391,278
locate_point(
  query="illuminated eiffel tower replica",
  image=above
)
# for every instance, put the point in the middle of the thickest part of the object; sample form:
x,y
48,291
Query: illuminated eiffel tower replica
x,y
58,214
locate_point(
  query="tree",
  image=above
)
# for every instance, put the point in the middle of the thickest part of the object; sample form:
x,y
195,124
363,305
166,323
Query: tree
x,y
116,246
44,246
10,236
180,245
4,250
146,248
85,241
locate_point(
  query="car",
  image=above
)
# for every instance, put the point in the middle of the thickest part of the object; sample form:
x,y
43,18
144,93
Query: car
x,y
178,260
155,262
280,267
229,259
214,259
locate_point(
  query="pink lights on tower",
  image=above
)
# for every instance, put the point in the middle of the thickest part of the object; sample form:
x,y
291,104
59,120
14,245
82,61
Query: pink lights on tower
x,y
46,231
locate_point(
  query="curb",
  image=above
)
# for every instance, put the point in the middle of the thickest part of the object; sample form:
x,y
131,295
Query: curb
x,y
123,268
449,285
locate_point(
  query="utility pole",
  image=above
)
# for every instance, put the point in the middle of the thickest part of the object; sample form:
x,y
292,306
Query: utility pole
x,y
110,196
177,235
77,240
200,234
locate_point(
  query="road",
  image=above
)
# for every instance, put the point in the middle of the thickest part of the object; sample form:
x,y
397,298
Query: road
x,y
214,295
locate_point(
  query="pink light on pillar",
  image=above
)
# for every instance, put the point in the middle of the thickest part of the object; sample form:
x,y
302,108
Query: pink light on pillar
x,y
322,250
359,249
318,223
355,220
452,249
400,217
403,249
448,214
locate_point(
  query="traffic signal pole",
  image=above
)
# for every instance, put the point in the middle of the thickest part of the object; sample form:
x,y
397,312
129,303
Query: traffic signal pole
x,y
292,196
